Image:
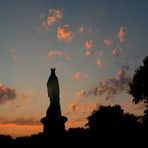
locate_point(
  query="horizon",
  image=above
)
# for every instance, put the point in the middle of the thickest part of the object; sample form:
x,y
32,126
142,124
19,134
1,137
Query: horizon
x,y
95,47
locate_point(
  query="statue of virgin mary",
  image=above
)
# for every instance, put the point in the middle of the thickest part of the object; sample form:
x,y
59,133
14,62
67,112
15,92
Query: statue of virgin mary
x,y
53,88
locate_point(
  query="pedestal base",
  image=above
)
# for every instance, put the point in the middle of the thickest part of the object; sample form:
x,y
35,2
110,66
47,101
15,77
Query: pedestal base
x,y
53,122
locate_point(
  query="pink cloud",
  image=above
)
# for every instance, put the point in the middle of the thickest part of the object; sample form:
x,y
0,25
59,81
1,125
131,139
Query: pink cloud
x,y
88,52
80,94
64,33
116,52
108,42
89,44
85,107
55,15
122,33
101,53
111,86
59,53
78,76
134,108
81,29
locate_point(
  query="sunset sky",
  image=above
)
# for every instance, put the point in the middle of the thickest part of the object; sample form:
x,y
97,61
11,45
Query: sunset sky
x,y
94,45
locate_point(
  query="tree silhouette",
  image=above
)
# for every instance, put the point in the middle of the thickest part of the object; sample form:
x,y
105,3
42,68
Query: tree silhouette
x,y
139,84
106,117
138,88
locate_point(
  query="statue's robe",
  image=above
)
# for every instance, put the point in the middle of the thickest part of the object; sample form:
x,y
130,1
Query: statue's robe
x,y
53,88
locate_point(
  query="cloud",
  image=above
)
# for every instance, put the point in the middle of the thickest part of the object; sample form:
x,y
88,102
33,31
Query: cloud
x,y
45,26
64,33
99,63
112,86
80,122
73,107
6,94
108,42
89,44
78,76
80,94
22,121
91,106
134,108
81,29
59,53
116,52
55,15
122,33
85,107
14,58
88,52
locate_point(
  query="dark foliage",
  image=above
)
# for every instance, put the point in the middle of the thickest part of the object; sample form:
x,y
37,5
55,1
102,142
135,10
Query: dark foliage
x,y
139,84
108,126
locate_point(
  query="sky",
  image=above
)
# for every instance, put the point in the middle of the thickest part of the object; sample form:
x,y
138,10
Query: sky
x,y
95,46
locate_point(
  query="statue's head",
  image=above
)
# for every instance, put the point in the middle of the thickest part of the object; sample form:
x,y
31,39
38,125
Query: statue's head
x,y
53,70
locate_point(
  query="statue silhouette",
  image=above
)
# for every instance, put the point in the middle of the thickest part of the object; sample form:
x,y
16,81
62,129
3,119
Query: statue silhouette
x,y
53,88
53,122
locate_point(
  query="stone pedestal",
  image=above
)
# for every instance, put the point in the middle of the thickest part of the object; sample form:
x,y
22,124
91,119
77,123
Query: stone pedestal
x,y
53,122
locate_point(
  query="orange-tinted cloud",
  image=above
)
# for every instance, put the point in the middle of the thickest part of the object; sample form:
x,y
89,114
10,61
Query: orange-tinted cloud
x,y
116,52
19,130
78,76
76,123
89,44
6,94
108,42
99,63
22,121
122,33
55,15
73,107
91,106
64,33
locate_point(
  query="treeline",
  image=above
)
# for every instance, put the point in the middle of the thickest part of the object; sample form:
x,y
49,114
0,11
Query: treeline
x,y
107,126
